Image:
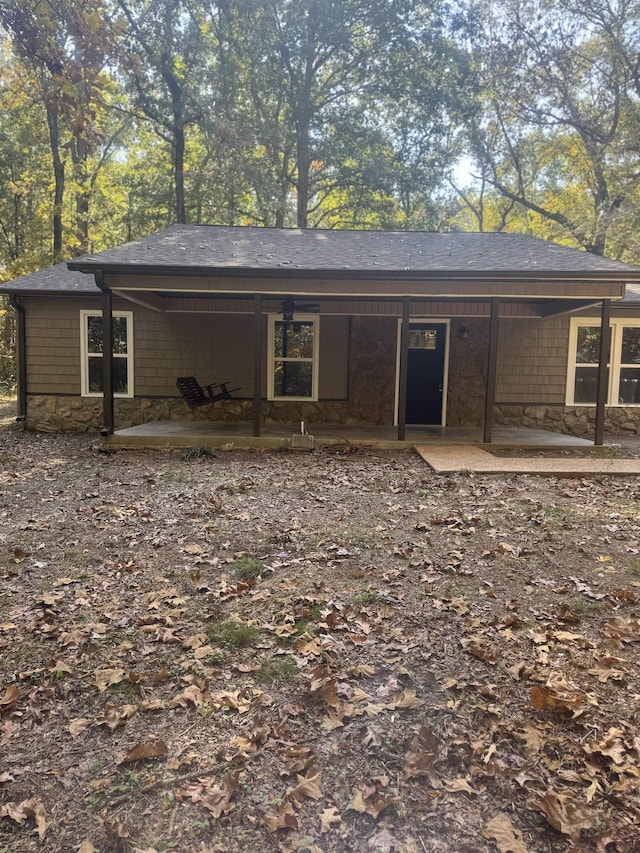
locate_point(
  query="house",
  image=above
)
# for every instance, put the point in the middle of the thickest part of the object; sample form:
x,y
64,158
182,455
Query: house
x,y
332,327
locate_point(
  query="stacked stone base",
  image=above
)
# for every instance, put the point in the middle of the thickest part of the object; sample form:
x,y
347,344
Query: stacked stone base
x,y
571,420
84,414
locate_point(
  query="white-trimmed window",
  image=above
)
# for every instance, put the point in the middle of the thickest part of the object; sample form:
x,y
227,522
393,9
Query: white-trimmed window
x,y
624,362
293,358
91,353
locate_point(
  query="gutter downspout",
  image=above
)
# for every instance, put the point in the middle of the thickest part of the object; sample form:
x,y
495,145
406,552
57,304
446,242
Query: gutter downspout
x,y
21,358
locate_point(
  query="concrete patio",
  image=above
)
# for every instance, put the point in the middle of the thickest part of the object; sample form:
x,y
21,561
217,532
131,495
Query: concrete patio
x,y
231,436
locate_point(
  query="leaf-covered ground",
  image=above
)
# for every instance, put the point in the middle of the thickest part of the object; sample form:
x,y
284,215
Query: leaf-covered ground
x,y
313,652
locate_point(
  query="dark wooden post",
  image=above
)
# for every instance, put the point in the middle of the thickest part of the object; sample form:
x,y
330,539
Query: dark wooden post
x,y
404,368
107,359
492,370
257,363
603,370
21,358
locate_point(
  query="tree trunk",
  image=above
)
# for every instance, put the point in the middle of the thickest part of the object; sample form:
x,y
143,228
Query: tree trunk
x,y
178,172
58,175
303,167
79,155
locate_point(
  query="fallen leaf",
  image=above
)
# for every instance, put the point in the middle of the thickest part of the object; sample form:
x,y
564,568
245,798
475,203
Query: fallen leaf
x,y
144,751
76,727
456,785
285,818
329,818
10,697
564,814
31,809
106,677
424,749
308,786
508,840
546,699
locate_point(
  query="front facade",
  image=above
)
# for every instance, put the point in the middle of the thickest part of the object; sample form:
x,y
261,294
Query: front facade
x,y
353,328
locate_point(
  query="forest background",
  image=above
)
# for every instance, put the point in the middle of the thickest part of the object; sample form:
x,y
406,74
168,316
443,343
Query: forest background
x,y
120,117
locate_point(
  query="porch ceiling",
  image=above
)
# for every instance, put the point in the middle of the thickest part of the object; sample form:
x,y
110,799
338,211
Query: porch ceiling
x,y
175,302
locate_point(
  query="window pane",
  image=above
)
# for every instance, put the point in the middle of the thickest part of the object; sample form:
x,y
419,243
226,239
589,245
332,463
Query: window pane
x,y
630,345
94,334
120,335
119,375
629,390
293,379
588,349
423,339
95,375
586,386
294,339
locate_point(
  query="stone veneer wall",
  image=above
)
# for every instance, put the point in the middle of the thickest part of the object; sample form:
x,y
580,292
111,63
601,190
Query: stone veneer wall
x,y
467,373
572,420
83,414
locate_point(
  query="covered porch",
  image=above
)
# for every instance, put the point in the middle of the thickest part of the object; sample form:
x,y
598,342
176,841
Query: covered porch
x,y
402,334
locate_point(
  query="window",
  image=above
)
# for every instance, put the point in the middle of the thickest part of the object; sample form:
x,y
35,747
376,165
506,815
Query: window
x,y
624,362
91,350
293,358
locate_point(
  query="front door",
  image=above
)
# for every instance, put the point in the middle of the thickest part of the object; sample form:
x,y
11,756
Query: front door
x,y
425,373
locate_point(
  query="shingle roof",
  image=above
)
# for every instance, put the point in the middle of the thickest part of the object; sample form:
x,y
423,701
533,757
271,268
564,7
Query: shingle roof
x,y
289,252
56,279
214,249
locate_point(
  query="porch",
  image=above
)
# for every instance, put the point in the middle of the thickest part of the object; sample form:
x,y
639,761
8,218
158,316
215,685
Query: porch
x,y
235,436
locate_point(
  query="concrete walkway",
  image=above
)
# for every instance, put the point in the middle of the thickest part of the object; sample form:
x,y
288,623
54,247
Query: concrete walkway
x,y
452,459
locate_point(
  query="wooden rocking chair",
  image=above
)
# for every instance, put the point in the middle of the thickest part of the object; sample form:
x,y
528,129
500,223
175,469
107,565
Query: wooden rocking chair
x,y
196,395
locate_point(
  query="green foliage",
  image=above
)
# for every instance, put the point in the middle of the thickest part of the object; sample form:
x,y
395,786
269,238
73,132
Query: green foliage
x,y
246,568
119,117
232,635
276,670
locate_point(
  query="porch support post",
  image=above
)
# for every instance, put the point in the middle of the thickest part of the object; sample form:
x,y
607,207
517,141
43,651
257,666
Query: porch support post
x,y
21,358
404,365
492,370
107,357
257,363
603,370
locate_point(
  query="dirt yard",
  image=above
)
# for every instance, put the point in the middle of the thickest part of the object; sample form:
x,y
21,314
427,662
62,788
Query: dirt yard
x,y
313,652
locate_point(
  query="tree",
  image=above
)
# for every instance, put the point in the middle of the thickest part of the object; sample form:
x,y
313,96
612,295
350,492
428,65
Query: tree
x,y
162,59
65,45
559,129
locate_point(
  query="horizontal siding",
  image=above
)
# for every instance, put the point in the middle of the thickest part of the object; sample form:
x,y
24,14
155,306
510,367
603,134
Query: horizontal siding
x,y
532,361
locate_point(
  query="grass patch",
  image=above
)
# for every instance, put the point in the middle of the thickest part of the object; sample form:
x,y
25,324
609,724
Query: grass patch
x,y
370,596
276,670
197,453
246,568
579,604
232,635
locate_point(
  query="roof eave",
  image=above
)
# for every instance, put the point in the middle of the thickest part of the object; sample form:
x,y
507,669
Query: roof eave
x,y
344,274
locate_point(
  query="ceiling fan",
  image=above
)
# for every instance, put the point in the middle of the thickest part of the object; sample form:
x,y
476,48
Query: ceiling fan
x,y
289,307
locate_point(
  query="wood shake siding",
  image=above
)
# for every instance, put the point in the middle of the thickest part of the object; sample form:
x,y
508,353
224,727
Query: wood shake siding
x,y
532,361
53,349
